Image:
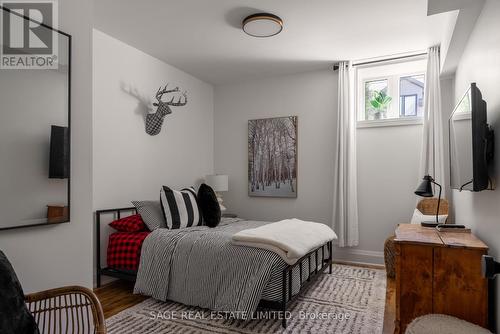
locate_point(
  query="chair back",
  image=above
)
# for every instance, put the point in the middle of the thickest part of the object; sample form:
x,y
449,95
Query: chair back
x,y
71,309
428,206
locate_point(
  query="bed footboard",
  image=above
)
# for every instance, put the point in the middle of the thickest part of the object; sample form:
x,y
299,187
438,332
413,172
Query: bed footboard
x,y
287,295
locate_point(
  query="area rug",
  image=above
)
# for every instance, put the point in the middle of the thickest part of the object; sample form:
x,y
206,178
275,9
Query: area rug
x,y
350,300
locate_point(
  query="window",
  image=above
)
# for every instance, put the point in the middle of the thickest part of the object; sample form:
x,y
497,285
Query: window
x,y
378,89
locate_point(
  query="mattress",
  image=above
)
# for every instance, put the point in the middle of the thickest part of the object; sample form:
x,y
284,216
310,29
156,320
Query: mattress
x,y
124,250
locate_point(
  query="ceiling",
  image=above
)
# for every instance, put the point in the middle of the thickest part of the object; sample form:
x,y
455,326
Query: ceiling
x,y
204,37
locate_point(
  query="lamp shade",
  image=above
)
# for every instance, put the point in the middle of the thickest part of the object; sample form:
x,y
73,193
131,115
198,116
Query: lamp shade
x,y
425,187
218,182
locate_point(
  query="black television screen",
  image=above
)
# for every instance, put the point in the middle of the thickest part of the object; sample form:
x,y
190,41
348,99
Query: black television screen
x,y
59,152
471,143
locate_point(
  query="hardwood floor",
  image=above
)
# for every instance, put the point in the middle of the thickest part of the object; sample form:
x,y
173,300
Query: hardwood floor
x,y
390,306
117,296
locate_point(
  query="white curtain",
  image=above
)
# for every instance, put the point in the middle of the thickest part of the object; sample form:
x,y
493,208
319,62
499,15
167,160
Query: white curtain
x,y
345,198
432,159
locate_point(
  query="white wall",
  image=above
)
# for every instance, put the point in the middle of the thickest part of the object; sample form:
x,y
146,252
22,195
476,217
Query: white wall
x,y
388,164
47,257
310,96
480,63
128,163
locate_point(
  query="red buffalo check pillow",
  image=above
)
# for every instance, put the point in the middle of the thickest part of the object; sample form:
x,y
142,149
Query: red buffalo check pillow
x,y
132,223
124,250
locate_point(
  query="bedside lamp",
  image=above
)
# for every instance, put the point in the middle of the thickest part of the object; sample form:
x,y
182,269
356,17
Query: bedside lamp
x,y
425,190
219,183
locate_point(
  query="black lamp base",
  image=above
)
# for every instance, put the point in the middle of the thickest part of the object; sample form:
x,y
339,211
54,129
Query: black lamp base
x,y
429,224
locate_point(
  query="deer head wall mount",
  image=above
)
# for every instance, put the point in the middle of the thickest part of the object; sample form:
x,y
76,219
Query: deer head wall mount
x,y
154,121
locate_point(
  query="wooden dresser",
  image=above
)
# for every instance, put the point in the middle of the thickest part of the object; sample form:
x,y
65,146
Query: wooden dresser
x,y
439,272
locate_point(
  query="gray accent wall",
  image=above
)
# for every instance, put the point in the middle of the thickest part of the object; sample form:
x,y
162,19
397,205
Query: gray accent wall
x,y
388,158
311,96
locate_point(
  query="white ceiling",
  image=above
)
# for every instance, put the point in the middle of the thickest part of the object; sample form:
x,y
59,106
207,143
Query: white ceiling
x,y
204,37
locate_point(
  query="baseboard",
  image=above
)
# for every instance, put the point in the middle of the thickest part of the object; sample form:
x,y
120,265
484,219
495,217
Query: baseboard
x,y
365,253
361,264
359,256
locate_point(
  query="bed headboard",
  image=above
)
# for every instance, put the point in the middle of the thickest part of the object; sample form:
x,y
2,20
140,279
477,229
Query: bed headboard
x,y
103,231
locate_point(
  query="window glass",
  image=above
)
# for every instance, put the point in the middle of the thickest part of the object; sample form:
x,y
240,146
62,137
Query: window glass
x,y
411,95
377,100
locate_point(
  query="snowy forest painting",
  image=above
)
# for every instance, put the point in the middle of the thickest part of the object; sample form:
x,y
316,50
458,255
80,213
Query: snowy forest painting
x,y
272,157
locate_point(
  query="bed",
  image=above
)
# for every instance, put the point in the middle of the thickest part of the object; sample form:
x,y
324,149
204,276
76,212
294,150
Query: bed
x,y
198,266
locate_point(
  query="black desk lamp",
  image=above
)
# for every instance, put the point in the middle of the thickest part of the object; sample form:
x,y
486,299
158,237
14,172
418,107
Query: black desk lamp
x,y
425,190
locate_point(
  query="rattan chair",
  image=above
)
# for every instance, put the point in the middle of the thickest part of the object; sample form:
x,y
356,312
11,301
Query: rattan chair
x,y
428,206
71,309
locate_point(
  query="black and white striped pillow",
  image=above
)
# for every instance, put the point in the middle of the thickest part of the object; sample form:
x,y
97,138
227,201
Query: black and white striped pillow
x,y
180,208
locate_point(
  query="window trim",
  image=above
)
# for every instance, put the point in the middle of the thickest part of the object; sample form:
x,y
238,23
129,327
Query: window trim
x,y
407,120
376,123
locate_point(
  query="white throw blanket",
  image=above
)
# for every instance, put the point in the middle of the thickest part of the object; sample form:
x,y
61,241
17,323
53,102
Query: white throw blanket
x,y
290,238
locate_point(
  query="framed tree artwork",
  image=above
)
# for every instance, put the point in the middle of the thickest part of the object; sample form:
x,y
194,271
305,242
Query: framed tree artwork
x,y
272,157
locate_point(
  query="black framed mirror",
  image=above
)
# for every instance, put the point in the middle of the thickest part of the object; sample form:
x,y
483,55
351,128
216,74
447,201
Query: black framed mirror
x,y
35,112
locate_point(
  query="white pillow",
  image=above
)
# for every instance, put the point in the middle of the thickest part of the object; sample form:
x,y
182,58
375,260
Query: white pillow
x,y
419,217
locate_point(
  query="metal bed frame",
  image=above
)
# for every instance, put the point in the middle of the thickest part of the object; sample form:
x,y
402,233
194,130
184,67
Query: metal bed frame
x,y
125,275
287,295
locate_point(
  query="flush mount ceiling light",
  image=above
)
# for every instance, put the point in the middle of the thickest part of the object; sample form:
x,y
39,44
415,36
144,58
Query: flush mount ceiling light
x,y
262,25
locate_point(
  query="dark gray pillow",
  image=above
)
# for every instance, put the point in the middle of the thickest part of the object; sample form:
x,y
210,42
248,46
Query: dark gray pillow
x,y
151,214
15,317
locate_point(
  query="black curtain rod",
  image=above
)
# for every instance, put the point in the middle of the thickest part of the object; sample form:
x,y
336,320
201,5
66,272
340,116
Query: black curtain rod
x,y
336,66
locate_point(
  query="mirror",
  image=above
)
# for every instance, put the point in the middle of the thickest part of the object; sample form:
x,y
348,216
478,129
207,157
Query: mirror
x,y
461,145
34,128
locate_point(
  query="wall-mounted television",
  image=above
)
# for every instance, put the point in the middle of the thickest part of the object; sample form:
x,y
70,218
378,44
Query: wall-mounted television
x,y
471,143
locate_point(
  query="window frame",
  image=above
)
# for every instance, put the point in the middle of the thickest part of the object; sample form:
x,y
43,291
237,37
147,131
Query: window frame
x,y
393,89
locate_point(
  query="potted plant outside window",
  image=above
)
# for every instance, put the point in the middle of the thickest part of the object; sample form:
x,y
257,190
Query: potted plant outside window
x,y
380,102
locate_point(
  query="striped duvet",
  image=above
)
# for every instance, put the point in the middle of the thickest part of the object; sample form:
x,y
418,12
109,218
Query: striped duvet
x,y
199,266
